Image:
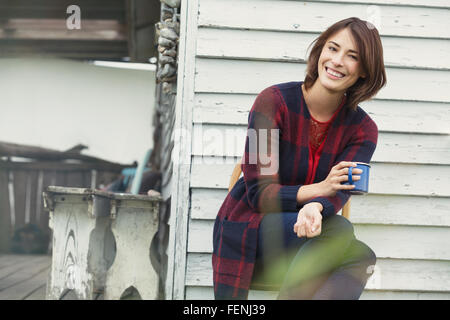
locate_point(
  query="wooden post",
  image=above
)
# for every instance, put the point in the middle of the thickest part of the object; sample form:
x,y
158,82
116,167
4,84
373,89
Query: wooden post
x,y
79,220
5,213
89,258
134,227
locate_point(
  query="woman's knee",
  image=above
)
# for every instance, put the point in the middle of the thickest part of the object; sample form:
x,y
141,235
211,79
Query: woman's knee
x,y
339,226
367,254
361,254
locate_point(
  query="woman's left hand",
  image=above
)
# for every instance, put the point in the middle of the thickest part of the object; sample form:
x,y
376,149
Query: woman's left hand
x,y
309,221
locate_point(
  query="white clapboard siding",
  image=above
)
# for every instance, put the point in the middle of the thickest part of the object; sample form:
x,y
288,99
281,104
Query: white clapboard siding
x,y
368,209
223,140
387,241
419,3
385,178
238,76
233,109
293,46
316,16
206,293
259,43
390,274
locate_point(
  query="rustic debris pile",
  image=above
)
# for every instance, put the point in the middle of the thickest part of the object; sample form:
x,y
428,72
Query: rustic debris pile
x,y
167,31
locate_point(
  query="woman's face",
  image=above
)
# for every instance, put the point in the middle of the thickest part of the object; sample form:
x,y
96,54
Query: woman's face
x,y
339,64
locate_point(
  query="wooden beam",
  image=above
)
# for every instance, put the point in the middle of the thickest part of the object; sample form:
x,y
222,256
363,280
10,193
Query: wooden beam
x,y
76,49
25,151
56,9
56,29
63,166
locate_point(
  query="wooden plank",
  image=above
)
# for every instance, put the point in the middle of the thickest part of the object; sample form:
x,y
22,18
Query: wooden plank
x,y
209,109
12,260
39,293
26,272
224,140
31,196
61,179
20,180
5,214
60,166
207,293
387,241
75,179
385,178
180,198
303,16
91,9
419,3
390,274
39,153
28,286
15,263
56,29
49,179
251,77
292,47
369,209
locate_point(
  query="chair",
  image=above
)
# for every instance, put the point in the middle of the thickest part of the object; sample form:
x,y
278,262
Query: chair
x,y
237,172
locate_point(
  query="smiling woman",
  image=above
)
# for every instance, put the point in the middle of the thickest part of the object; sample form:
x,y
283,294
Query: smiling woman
x,y
347,59
281,228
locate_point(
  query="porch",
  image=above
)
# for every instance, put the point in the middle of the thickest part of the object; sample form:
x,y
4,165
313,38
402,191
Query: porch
x,y
23,277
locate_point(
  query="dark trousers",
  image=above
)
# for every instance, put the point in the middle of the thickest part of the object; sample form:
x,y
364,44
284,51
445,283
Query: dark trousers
x,y
333,265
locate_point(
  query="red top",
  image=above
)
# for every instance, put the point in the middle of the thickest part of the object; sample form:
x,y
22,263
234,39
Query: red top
x,y
317,134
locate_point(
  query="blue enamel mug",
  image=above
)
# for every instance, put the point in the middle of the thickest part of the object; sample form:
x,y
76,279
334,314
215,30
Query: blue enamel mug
x,y
362,185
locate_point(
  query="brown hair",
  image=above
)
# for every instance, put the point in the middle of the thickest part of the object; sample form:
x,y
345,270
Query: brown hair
x,y
371,58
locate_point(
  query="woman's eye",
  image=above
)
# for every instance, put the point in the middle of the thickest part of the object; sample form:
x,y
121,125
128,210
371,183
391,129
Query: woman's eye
x,y
332,48
354,57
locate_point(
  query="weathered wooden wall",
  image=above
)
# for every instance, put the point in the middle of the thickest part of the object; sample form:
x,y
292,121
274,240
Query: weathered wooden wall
x,y
235,49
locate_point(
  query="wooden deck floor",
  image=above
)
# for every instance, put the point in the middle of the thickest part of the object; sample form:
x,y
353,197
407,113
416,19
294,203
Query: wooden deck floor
x,y
23,277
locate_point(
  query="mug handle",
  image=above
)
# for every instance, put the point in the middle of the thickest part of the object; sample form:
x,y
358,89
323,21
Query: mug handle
x,y
350,180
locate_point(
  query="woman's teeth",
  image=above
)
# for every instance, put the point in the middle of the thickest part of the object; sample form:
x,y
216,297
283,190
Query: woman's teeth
x,y
336,74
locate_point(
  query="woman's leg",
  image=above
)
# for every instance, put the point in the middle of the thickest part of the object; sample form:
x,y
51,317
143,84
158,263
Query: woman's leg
x,y
317,258
299,265
277,245
348,281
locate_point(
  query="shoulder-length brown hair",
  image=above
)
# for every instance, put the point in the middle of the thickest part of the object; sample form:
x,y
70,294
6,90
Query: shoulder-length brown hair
x,y
370,52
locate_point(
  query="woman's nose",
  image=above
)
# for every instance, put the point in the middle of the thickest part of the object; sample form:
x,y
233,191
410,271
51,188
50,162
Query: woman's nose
x,y
337,60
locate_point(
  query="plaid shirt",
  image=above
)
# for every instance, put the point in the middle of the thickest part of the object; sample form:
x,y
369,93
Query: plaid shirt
x,y
351,137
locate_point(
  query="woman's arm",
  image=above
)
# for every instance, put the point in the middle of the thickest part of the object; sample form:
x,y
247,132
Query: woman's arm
x,y
360,149
331,185
308,192
266,120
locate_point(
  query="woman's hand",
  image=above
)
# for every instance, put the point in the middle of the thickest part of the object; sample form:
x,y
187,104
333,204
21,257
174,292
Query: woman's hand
x,y
309,221
338,174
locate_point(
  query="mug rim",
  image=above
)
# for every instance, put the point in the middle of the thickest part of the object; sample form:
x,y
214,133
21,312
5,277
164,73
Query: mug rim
x,y
364,163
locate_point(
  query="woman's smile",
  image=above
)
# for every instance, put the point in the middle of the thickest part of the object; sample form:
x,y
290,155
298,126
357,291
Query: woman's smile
x,y
334,74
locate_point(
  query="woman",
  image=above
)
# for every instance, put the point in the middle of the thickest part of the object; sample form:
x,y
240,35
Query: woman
x,y
278,225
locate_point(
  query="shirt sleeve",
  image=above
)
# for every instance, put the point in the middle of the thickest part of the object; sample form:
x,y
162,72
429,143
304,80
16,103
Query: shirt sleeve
x,y
360,149
261,158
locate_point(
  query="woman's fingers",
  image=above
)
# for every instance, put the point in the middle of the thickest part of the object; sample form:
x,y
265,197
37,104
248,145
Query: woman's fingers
x,y
315,228
300,228
316,232
344,172
345,164
345,178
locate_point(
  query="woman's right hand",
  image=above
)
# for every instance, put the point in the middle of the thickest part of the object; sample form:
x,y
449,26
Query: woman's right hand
x,y
337,175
